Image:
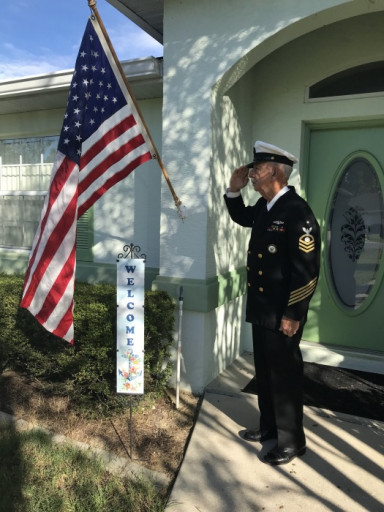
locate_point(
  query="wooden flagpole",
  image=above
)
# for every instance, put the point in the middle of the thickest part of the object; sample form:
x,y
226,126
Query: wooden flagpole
x,y
92,5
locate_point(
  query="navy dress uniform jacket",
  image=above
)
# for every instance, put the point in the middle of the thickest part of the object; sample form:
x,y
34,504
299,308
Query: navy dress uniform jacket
x,y
283,257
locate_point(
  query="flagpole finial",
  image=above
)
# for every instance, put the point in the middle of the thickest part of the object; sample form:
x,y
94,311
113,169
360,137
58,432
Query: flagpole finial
x,y
91,3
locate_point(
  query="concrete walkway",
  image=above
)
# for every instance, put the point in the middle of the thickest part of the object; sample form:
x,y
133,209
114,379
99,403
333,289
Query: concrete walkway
x,y
342,471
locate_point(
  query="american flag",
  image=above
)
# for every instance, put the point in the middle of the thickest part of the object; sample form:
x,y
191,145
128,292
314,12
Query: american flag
x,y
101,142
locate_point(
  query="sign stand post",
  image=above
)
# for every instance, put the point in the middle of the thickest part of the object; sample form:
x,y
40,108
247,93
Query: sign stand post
x,y
130,294
179,347
130,429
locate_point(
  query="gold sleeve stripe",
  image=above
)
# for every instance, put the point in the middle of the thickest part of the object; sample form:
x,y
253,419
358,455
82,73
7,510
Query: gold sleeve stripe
x,y
294,300
302,293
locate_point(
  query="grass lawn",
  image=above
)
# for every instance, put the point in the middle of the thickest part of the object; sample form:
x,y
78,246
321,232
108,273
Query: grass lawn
x,y
37,475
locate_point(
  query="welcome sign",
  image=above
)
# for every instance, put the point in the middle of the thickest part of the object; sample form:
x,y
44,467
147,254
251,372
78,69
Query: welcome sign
x,y
130,326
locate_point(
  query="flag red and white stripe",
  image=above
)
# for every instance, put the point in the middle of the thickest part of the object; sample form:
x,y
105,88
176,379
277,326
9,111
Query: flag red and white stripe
x,y
101,142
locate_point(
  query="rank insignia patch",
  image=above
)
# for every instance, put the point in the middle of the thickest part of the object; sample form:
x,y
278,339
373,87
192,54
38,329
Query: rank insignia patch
x,y
307,241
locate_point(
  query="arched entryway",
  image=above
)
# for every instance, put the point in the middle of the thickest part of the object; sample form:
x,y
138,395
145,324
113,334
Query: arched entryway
x,y
336,129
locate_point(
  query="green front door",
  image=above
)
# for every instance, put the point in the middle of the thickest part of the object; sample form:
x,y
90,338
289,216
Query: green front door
x,y
345,183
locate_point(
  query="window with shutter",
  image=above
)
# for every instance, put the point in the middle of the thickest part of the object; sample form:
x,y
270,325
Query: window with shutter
x,y
25,170
84,241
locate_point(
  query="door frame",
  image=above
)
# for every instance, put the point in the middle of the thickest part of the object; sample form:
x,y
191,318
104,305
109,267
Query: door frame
x,y
325,249
329,189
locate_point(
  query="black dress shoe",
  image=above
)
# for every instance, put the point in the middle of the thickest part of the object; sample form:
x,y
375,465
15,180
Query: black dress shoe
x,y
259,436
279,456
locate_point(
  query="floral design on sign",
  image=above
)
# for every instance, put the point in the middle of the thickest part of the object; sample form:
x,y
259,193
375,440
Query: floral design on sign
x,y
133,375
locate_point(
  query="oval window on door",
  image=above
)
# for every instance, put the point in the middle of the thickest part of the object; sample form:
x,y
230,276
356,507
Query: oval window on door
x,y
355,231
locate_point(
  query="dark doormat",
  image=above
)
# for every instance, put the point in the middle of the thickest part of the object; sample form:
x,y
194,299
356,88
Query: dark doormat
x,y
340,390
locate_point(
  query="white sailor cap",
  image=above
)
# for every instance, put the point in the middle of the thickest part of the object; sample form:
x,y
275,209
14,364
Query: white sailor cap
x,y
264,152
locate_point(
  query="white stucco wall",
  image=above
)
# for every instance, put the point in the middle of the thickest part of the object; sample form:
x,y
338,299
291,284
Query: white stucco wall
x,y
208,46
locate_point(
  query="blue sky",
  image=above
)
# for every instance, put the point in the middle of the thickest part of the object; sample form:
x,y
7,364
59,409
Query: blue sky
x,y
41,36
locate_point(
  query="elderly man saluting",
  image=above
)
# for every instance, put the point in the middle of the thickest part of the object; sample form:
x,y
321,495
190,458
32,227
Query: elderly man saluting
x,y
282,269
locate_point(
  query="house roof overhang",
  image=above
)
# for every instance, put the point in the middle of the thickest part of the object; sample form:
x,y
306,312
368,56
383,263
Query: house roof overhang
x,y
147,14
49,91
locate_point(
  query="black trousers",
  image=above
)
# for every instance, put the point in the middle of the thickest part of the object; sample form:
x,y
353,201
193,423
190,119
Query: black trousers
x,y
279,378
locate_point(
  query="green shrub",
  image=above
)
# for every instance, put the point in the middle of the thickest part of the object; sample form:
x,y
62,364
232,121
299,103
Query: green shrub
x,y
86,370
159,309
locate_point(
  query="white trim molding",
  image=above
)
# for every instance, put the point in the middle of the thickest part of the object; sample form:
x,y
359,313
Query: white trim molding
x,y
343,357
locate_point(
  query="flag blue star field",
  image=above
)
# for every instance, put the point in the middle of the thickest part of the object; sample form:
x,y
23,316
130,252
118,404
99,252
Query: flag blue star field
x,y
102,140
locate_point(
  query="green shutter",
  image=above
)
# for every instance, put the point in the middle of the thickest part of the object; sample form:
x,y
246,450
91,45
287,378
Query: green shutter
x,y
85,237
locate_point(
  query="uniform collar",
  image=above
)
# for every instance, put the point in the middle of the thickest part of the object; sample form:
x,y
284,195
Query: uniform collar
x,y
281,192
